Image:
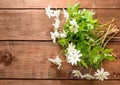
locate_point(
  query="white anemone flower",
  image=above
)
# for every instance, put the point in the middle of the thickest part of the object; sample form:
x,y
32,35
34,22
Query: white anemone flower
x,y
54,36
73,22
49,12
56,13
66,15
101,74
73,55
63,34
88,76
52,13
56,61
77,73
74,26
71,48
56,24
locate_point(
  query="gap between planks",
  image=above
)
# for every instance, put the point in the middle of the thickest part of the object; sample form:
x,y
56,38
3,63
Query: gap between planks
x,y
58,82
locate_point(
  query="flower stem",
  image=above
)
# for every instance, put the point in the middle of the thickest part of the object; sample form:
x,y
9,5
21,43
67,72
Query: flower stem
x,y
90,70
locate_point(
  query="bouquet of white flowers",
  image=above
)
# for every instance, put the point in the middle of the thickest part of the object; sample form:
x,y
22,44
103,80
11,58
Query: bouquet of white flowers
x,y
83,41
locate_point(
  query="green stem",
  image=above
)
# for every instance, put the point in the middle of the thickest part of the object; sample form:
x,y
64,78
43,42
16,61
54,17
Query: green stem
x,y
61,51
81,68
97,41
101,64
90,70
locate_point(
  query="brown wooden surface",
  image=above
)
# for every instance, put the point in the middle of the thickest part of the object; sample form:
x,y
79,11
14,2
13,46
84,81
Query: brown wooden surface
x,y
31,61
41,3
58,3
35,25
58,82
24,32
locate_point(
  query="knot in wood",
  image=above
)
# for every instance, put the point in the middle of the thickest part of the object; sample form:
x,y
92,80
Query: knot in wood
x,y
6,57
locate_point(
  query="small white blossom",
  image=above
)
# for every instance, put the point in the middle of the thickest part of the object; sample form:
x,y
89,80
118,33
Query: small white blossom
x,y
52,13
56,24
88,76
101,74
63,34
66,15
56,13
73,22
54,36
74,26
71,48
56,61
49,12
77,73
73,55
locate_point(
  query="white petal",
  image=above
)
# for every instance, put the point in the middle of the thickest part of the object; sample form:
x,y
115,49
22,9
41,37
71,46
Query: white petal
x,y
102,70
66,15
51,60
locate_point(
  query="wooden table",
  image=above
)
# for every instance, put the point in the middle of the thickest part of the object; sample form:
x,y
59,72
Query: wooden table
x,y
25,40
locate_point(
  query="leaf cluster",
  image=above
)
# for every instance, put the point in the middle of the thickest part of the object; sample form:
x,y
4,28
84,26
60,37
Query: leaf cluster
x,y
86,40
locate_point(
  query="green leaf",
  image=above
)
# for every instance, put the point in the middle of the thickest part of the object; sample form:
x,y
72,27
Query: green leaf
x,y
94,21
95,60
96,66
110,57
108,50
86,40
84,63
76,7
63,42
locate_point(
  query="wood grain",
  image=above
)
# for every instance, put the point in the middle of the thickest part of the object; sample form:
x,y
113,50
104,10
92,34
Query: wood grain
x,y
42,3
35,25
57,82
31,61
105,15
106,4
23,26
58,3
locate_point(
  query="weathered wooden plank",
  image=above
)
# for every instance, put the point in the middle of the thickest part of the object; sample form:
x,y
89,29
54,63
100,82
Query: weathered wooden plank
x,y
24,24
59,3
104,15
42,3
58,82
106,4
35,25
31,61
